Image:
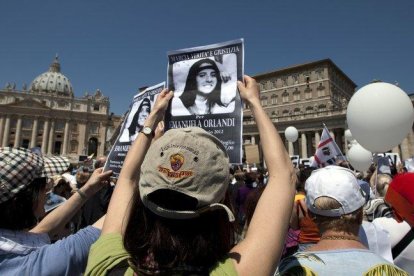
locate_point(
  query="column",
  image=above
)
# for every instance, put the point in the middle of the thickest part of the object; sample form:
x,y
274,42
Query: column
x,y
34,133
18,135
346,142
82,138
51,138
304,145
317,139
290,148
405,152
45,136
6,132
65,138
411,143
332,134
1,128
102,139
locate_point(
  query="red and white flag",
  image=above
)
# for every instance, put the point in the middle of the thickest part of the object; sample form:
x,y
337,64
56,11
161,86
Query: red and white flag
x,y
327,152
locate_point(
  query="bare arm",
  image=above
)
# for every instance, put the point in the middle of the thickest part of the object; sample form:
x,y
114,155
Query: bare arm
x,y
120,204
266,234
53,222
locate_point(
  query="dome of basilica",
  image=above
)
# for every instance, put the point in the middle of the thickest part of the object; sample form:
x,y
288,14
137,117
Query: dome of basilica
x,y
52,82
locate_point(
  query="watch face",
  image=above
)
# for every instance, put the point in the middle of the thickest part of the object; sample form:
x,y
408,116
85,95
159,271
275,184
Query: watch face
x,y
147,130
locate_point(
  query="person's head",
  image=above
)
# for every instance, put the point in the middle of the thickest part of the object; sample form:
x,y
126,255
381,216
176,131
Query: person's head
x,y
180,214
82,177
302,175
379,183
140,116
203,78
400,196
335,199
23,179
100,162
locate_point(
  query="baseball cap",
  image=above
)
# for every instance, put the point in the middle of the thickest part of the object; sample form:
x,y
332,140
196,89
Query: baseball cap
x,y
20,166
190,162
338,183
400,195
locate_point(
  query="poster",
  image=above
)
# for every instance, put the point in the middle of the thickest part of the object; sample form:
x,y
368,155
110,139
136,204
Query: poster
x,y
134,120
204,81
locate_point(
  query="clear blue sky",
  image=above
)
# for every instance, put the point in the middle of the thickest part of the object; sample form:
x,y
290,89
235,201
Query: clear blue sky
x,y
119,46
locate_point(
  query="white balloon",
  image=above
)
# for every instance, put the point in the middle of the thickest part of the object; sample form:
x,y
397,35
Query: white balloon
x,y
348,135
359,157
380,115
291,134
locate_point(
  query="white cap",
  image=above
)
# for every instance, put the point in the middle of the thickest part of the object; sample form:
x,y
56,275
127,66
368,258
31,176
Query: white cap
x,y
338,183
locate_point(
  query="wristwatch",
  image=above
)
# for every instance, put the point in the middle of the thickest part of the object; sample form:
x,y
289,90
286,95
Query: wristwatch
x,y
147,131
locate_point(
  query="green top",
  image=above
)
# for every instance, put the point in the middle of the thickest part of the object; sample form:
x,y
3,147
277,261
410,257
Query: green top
x,y
108,251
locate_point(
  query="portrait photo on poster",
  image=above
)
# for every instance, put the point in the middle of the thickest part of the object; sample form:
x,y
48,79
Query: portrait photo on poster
x,y
205,86
135,120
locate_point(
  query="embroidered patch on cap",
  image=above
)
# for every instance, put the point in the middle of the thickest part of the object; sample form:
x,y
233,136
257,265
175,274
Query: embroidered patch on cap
x,y
176,162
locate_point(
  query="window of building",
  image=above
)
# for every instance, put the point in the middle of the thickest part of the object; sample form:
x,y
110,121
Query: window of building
x,y
94,128
321,92
322,107
285,112
309,109
296,111
74,127
296,95
59,125
284,81
273,99
274,113
77,106
26,123
319,73
73,146
295,78
96,107
308,94
285,97
263,100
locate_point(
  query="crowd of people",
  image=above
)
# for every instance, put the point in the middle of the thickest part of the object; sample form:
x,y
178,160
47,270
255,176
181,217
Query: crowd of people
x,y
179,208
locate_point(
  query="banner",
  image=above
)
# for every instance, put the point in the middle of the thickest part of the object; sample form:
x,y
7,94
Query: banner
x,y
134,120
204,81
327,152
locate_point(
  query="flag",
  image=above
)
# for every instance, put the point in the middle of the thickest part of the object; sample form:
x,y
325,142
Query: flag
x,y
327,152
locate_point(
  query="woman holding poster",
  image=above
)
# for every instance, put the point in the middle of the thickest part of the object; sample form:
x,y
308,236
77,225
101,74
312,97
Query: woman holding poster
x,y
169,214
202,91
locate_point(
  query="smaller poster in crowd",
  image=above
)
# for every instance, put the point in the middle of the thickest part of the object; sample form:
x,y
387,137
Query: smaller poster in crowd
x,y
134,120
204,81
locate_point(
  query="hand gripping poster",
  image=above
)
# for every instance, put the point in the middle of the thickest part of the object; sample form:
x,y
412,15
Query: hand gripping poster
x,y
204,81
134,120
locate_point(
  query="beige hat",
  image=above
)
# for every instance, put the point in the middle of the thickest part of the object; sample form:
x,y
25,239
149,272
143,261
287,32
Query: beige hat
x,y
189,161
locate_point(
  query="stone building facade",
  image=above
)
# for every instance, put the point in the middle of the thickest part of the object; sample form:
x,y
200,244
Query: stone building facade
x,y
47,115
307,96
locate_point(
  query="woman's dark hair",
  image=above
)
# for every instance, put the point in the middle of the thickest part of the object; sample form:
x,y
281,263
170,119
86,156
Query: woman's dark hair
x,y
158,244
134,123
190,90
18,213
251,202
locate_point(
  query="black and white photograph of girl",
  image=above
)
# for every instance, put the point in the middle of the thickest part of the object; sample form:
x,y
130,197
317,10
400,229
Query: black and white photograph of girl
x,y
205,86
135,120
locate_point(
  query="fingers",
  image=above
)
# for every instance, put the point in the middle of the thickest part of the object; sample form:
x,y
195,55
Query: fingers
x,y
105,175
249,81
